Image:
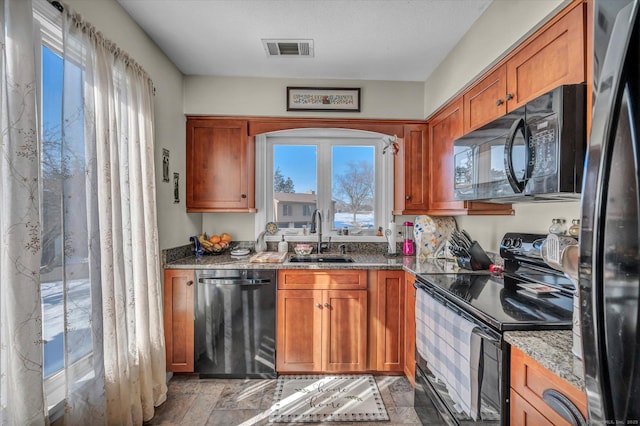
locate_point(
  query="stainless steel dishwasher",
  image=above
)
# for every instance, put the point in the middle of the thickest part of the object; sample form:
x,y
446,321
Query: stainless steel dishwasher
x,y
235,323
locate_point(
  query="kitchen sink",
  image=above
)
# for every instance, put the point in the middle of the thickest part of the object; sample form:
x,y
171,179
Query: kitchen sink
x,y
321,259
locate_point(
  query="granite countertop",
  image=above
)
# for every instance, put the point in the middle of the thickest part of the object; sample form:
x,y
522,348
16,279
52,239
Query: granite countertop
x,y
552,349
226,261
361,261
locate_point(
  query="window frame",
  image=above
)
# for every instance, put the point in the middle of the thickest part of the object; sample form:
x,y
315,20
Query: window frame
x,y
48,33
325,139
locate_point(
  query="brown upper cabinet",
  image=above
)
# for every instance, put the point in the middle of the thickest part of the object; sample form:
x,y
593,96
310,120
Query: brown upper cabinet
x,y
446,127
552,57
411,171
220,166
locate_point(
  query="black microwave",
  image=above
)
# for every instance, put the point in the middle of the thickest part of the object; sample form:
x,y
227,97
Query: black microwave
x,y
535,152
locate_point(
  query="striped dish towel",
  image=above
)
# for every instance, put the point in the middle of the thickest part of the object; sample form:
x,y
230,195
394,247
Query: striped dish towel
x,y
446,341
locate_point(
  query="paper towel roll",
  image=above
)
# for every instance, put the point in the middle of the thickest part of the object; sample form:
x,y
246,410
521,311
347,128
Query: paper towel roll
x,y
391,238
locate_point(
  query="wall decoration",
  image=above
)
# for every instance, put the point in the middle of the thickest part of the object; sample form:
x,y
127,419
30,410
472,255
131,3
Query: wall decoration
x,y
176,186
323,99
165,165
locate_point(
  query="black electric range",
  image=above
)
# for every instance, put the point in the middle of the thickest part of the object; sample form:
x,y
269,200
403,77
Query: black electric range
x,y
494,303
499,300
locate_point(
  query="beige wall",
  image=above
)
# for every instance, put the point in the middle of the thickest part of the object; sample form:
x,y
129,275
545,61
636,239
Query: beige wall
x,y
174,224
267,97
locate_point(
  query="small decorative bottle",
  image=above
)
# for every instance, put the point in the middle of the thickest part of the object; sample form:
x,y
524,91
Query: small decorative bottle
x,y
557,227
574,229
283,246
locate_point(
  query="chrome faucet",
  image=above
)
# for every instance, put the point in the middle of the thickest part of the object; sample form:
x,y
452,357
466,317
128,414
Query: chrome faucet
x,y
313,228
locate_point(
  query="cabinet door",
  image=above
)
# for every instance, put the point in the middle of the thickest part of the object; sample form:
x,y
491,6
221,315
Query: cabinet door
x,y
524,414
410,328
299,328
220,166
555,57
529,379
178,319
344,330
390,321
446,127
411,171
485,100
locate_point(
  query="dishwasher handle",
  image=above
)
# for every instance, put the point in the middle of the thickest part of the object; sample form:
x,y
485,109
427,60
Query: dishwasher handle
x,y
233,281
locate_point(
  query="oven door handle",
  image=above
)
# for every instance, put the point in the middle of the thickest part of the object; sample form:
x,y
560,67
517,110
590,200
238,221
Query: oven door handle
x,y
479,332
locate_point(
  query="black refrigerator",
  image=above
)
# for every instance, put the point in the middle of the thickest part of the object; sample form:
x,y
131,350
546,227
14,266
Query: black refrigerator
x,y
609,272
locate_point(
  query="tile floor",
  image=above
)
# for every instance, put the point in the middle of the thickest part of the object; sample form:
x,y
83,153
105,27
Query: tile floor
x,y
194,401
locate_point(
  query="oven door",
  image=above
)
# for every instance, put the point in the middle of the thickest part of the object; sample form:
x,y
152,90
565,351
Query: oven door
x,y
432,399
431,393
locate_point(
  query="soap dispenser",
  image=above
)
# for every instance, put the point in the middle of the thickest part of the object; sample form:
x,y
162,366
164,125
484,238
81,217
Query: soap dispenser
x,y
283,246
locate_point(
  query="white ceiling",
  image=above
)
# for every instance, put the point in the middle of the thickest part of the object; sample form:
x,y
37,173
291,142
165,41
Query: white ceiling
x,y
397,40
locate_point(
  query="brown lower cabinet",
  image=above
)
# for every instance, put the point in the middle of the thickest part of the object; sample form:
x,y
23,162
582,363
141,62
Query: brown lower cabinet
x,y
529,380
179,306
322,328
389,320
336,321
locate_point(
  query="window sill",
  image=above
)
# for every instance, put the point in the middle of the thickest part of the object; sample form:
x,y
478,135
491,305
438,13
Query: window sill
x,y
325,238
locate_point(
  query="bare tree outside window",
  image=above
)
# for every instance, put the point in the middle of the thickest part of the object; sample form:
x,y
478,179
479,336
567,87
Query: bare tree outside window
x,y
354,188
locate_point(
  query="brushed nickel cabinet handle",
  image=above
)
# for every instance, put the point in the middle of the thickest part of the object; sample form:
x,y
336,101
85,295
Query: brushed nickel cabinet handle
x,y
318,305
326,305
499,102
190,282
243,196
509,96
408,197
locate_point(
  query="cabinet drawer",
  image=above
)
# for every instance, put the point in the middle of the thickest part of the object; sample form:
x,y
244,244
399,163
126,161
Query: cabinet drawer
x,y
530,379
322,279
524,414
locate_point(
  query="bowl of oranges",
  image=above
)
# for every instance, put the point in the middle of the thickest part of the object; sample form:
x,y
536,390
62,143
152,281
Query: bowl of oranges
x,y
215,244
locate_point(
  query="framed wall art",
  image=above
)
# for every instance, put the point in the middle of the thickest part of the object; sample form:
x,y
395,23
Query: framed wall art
x,y
323,99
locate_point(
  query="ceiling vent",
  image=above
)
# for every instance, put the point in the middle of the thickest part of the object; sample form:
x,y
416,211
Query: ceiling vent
x,y
288,47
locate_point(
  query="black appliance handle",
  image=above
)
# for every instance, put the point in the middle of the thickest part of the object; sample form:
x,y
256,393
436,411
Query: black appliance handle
x,y
564,407
517,185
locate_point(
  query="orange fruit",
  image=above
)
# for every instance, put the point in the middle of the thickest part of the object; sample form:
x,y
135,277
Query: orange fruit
x,y
225,237
214,239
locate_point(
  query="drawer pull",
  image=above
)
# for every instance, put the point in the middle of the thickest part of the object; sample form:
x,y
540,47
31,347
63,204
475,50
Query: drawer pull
x,y
564,407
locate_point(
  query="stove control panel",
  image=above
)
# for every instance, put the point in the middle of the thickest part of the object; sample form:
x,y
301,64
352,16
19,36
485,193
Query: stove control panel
x,y
515,244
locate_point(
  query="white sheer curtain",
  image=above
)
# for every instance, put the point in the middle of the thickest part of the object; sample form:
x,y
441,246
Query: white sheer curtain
x,y
21,390
118,116
93,177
